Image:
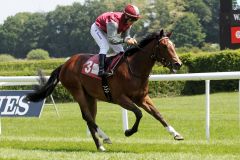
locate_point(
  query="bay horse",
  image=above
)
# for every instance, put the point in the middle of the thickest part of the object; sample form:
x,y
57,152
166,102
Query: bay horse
x,y
128,84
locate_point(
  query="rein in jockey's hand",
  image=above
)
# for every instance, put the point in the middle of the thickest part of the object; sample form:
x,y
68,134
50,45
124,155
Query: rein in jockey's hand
x,y
131,41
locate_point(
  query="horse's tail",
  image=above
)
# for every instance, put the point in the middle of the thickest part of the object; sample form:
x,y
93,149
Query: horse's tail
x,y
45,90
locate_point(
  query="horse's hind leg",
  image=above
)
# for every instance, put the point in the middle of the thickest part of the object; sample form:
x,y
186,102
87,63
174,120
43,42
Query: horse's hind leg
x,y
88,108
148,106
92,103
128,104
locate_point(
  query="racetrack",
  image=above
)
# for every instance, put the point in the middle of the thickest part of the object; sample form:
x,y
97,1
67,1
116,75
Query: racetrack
x,y
51,137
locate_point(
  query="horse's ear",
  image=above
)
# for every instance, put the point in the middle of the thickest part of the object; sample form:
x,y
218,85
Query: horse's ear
x,y
169,34
161,33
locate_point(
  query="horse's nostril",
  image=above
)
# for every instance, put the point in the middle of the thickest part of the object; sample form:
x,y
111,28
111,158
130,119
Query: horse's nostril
x,y
177,65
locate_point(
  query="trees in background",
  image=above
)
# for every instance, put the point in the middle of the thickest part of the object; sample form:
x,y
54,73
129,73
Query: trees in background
x,y
65,31
10,33
188,31
32,34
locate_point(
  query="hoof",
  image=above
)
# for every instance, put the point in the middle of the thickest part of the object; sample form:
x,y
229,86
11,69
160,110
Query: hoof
x,y
101,149
107,141
178,137
128,132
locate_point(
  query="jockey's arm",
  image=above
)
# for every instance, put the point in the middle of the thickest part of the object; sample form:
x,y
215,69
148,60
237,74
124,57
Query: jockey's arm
x,y
115,39
112,33
126,35
127,38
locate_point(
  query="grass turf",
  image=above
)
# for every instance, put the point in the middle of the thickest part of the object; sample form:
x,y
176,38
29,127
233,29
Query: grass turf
x,y
66,137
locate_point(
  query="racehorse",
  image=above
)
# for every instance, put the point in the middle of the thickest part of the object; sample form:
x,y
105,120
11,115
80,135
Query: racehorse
x,y
128,84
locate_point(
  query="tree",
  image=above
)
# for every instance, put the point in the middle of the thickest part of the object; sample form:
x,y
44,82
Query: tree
x,y
208,13
83,17
157,16
32,37
68,29
212,27
57,31
10,32
201,9
188,31
2,41
235,5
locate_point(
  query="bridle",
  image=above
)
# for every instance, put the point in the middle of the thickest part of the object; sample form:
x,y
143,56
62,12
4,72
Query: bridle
x,y
155,53
154,57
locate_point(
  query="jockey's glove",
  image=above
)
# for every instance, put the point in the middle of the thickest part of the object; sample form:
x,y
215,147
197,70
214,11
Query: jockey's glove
x,y
131,41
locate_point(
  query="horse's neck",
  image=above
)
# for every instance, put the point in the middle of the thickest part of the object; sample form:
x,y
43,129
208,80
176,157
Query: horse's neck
x,y
141,62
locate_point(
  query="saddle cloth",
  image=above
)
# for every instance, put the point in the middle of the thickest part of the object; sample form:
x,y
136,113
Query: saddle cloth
x,y
91,66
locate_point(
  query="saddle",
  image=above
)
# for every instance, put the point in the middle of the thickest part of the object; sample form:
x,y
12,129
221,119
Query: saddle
x,y
91,66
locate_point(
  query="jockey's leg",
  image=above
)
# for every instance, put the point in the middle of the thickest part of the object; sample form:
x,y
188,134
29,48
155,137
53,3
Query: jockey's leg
x,y
102,71
101,39
118,48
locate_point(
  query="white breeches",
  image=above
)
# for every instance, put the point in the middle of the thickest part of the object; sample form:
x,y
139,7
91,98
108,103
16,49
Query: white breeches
x,y
101,39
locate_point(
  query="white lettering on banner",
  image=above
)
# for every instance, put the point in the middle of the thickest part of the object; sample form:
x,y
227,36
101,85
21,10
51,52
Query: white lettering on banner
x,y
236,17
14,105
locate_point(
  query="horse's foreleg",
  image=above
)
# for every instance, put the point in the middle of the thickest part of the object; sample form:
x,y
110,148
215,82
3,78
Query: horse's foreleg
x,y
148,106
128,104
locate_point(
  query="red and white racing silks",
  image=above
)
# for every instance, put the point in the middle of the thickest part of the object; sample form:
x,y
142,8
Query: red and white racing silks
x,y
116,17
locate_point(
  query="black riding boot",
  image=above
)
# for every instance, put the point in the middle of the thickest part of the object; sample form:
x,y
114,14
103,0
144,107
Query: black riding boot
x,y
101,71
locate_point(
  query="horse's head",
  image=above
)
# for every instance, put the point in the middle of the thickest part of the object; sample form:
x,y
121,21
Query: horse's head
x,y
165,52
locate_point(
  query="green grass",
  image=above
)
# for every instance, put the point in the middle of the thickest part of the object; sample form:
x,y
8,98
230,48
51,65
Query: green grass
x,y
66,137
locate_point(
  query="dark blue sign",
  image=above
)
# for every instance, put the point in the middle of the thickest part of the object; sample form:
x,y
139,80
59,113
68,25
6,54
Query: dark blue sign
x,y
12,104
235,18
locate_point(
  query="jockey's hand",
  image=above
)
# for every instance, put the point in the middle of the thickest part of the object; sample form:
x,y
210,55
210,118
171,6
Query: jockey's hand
x,y
131,41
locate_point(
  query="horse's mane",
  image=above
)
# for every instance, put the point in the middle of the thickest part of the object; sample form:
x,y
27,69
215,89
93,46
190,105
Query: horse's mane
x,y
148,38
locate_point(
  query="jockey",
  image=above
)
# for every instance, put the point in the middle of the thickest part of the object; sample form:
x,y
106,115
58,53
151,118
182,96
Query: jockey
x,y
111,30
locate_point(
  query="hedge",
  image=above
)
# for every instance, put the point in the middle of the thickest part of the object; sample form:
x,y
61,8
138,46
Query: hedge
x,y
28,67
6,57
222,61
38,54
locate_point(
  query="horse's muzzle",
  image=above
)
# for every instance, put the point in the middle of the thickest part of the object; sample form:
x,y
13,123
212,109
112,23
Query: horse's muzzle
x,y
175,67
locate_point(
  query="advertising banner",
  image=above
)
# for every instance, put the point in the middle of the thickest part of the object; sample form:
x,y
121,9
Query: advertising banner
x,y
12,104
235,34
229,23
